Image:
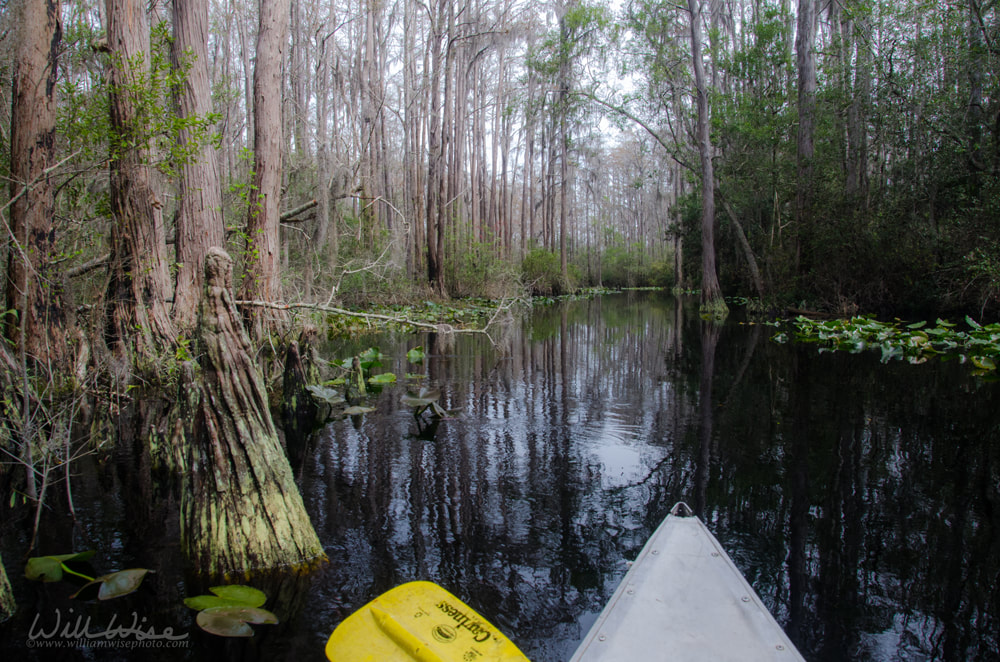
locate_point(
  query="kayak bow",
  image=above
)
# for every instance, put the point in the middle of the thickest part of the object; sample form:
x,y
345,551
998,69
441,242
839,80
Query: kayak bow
x,y
684,599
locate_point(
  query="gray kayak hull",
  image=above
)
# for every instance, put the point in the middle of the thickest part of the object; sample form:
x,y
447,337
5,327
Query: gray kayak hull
x,y
684,599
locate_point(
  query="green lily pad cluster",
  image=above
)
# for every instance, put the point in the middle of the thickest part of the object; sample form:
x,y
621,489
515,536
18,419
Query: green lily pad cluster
x,y
918,342
353,388
229,610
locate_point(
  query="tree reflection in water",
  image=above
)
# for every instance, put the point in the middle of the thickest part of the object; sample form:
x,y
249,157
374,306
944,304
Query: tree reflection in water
x,y
860,499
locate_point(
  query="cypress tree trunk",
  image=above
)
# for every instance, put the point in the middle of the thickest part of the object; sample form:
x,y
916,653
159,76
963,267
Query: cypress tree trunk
x,y
299,411
34,286
240,508
711,292
199,213
805,44
262,280
7,604
138,318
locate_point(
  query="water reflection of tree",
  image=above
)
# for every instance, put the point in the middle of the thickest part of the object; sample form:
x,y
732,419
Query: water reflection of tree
x,y
871,488
879,504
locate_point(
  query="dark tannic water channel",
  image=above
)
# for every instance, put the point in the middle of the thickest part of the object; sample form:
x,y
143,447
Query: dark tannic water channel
x,y
861,500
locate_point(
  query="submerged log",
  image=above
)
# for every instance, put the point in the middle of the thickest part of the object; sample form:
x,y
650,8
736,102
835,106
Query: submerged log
x,y
240,508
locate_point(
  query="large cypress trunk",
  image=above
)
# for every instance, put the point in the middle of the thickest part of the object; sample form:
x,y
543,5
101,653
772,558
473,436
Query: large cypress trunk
x,y
34,286
138,318
240,508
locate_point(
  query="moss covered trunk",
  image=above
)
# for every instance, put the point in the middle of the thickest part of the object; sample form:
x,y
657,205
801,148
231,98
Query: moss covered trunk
x,y
7,604
240,508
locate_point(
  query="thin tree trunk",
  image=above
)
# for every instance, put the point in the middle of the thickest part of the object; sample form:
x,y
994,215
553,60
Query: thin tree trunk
x,y
711,291
324,233
261,281
805,42
563,109
435,153
199,213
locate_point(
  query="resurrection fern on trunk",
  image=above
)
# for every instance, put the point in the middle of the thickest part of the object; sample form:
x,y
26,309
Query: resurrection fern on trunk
x,y
240,508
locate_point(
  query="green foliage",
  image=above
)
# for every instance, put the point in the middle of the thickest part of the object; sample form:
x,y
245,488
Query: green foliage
x,y
542,273
480,270
915,343
84,111
578,34
416,355
629,266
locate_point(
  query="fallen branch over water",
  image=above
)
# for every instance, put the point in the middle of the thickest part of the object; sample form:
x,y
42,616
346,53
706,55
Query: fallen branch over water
x,y
441,327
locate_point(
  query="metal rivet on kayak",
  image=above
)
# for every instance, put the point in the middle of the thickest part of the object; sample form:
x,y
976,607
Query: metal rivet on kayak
x,y
780,647
631,591
745,598
715,554
656,551
601,638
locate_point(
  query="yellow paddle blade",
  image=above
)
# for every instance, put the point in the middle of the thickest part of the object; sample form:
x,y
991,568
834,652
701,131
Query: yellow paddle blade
x,y
419,621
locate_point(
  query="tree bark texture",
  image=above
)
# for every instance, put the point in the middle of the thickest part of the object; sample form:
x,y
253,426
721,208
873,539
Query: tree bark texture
x,y
435,273
34,288
563,106
711,291
261,280
7,604
299,411
805,56
137,291
240,508
199,215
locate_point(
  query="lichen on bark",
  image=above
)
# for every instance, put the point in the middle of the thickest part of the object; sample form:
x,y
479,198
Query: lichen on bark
x,y
240,508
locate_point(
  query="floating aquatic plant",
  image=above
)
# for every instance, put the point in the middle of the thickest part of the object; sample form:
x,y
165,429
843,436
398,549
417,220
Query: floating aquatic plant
x,y
229,609
112,585
425,400
918,342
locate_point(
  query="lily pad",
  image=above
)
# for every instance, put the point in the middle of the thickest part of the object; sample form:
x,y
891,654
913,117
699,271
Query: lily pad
x,y
116,584
415,355
423,398
231,621
382,378
326,394
357,410
229,595
370,358
201,602
247,595
50,568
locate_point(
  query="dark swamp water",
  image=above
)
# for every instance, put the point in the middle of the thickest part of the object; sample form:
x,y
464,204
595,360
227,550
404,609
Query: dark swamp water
x,y
861,500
